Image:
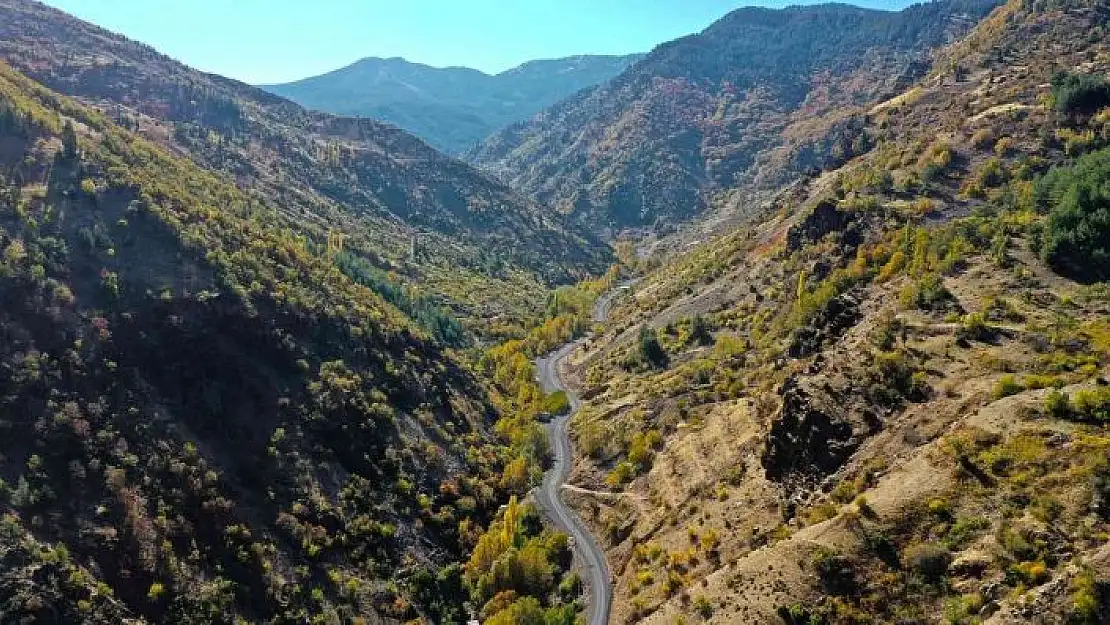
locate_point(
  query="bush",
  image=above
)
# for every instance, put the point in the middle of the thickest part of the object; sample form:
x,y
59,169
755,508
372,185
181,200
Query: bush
x,y
964,530
1076,241
975,328
928,293
703,607
651,352
835,571
526,611
936,160
1058,404
1027,573
930,561
556,403
699,331
1006,386
1089,599
1079,94
1092,405
798,614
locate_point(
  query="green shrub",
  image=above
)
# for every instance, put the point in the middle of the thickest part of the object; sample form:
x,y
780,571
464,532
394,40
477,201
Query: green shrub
x,y
929,560
1088,599
1076,240
964,530
1006,386
928,293
975,328
1079,93
1057,404
699,331
556,403
836,572
798,614
1092,404
1027,573
703,607
651,351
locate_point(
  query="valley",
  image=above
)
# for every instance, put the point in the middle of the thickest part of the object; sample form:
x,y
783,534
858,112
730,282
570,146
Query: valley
x,y
802,319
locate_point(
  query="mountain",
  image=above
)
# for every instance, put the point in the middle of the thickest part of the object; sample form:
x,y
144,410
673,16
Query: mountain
x,y
356,183
232,379
451,108
884,398
756,98
205,421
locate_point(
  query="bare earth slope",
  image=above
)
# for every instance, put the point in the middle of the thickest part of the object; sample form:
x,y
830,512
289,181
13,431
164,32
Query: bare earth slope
x,y
886,399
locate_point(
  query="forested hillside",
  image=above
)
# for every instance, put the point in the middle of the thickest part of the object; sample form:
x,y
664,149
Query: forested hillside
x,y
262,364
487,250
207,421
757,98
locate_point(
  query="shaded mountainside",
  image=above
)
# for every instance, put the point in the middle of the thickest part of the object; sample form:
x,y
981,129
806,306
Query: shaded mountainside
x,y
373,184
203,419
885,399
452,108
755,99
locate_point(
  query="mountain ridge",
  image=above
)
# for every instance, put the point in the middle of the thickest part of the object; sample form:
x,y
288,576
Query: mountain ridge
x,y
757,97
450,107
377,184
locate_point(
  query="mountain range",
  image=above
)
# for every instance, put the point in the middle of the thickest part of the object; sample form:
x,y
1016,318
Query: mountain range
x,y
451,108
827,287
758,97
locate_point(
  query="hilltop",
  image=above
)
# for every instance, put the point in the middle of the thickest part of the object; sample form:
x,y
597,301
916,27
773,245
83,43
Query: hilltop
x,y
452,108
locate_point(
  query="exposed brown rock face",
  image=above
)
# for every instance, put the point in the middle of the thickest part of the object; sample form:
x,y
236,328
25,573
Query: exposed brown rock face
x,y
842,312
813,434
825,219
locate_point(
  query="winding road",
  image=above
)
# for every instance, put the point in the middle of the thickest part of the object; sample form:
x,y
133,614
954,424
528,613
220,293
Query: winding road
x,y
587,551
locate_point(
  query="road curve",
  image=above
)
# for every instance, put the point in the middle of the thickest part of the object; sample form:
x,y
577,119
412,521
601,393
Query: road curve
x,y
587,551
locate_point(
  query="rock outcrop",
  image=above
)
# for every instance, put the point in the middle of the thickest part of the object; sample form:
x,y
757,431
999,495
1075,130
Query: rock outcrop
x,y
814,433
838,315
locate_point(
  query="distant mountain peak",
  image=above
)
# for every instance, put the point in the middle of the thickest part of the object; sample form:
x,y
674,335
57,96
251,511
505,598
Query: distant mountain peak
x,y
450,107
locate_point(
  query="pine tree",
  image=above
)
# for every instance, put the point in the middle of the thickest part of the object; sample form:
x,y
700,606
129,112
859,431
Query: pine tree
x,y
69,141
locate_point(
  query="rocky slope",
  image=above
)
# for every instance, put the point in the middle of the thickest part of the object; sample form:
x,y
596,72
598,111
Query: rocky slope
x,y
452,108
757,98
885,399
371,186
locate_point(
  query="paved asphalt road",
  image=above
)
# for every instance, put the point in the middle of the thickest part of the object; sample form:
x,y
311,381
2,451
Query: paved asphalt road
x,y
589,554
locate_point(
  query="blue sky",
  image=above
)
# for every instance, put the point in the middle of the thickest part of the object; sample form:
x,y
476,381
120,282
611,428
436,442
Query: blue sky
x,y
265,41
